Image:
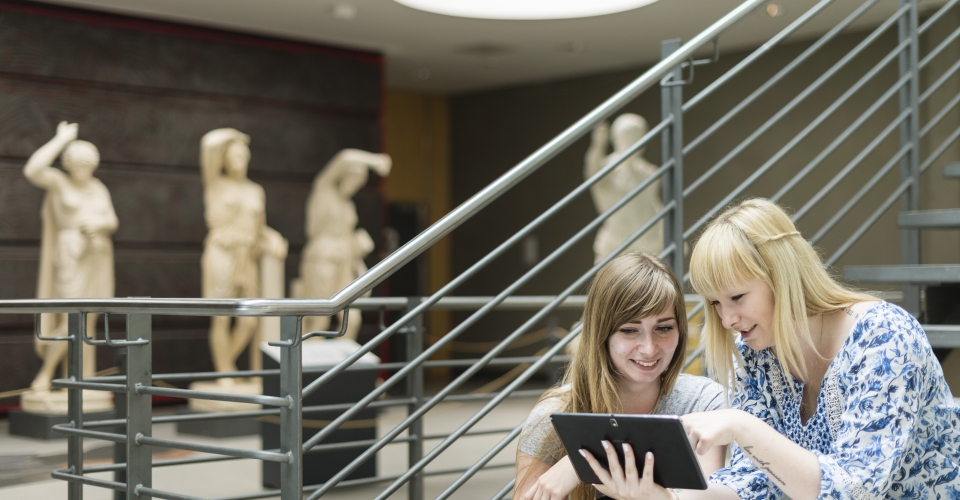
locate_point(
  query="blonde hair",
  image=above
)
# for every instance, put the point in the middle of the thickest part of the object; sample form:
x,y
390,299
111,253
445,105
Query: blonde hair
x,y
632,286
756,240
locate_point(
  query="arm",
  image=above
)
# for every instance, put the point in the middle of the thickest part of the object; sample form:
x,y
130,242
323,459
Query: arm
x,y
539,480
38,169
597,151
378,162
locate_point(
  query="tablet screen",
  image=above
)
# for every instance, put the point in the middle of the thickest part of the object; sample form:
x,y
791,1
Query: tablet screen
x,y
675,464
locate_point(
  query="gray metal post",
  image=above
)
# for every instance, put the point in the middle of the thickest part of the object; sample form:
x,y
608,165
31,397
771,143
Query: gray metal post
x,y
671,105
291,417
910,134
414,343
120,413
139,406
75,323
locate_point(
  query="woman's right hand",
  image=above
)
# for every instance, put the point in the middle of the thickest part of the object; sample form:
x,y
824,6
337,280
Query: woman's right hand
x,y
555,484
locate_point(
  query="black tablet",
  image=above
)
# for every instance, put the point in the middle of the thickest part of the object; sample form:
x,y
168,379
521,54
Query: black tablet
x,y
675,464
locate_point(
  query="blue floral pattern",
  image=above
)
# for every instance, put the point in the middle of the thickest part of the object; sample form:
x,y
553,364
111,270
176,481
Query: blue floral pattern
x,y
886,425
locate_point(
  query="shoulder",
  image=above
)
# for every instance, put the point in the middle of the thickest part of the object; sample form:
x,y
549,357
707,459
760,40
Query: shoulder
x,y
692,393
884,324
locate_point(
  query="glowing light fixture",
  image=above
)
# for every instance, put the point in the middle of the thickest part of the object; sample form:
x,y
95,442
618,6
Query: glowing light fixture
x,y
525,9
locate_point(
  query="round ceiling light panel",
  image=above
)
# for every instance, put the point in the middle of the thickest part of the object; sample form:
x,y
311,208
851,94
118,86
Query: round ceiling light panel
x,y
525,9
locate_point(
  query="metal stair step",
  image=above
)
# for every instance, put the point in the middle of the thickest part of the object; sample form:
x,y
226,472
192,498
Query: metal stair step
x,y
929,219
952,170
945,336
916,274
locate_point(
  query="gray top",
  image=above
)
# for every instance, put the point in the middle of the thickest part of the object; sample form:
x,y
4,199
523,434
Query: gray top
x,y
690,394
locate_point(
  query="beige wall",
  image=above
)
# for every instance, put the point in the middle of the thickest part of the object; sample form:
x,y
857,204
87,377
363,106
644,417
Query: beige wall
x,y
417,137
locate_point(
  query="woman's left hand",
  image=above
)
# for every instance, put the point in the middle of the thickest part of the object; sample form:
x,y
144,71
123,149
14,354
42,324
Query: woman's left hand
x,y
623,482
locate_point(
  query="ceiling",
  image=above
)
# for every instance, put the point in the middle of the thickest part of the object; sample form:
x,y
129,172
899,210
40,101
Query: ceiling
x,y
443,54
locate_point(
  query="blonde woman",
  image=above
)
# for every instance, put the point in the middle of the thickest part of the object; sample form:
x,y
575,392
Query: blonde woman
x,y
628,360
836,394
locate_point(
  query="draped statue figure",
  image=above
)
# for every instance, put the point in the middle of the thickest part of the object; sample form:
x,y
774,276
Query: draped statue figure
x,y
333,256
237,242
627,129
76,256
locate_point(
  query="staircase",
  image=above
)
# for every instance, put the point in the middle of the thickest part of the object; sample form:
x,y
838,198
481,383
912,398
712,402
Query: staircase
x,y
753,126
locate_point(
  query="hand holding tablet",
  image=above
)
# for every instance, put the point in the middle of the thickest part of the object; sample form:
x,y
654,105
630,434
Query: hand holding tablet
x,y
663,435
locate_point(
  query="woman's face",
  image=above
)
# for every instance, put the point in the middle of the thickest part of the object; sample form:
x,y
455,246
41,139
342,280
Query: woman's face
x,y
641,350
235,159
747,309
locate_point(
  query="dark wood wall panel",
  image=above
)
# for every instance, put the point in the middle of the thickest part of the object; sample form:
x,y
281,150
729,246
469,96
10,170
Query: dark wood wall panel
x,y
144,93
145,54
158,130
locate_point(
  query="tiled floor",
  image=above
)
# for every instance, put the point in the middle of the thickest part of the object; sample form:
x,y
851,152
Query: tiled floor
x,y
25,463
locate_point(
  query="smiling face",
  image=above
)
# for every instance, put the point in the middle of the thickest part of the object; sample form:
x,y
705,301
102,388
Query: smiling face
x,y
747,309
641,350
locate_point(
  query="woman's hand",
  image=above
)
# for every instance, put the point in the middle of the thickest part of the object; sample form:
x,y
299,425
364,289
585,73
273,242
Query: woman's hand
x,y
713,428
555,484
623,482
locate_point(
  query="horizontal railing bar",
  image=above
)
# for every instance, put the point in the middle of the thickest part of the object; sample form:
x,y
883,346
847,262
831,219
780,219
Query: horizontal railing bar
x,y
165,495
480,464
474,433
92,386
807,130
807,92
852,202
520,379
936,16
206,448
841,139
852,164
806,54
947,42
213,396
459,398
940,115
940,81
456,363
869,222
756,54
106,436
940,150
539,316
64,475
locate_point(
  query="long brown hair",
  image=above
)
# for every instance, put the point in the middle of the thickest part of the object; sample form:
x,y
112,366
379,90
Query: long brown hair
x,y
632,286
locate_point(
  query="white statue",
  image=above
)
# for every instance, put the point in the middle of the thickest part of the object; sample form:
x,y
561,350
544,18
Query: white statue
x,y
333,256
237,243
627,129
76,257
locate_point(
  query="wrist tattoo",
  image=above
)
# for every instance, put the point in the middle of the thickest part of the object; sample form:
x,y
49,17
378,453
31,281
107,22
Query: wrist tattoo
x,y
762,464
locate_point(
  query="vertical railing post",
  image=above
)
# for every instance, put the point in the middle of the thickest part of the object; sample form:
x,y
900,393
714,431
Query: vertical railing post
x,y
291,417
414,343
139,406
910,134
120,413
76,322
671,101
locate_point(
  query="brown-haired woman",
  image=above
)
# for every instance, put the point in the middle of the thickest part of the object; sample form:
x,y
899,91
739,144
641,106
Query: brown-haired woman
x,y
628,360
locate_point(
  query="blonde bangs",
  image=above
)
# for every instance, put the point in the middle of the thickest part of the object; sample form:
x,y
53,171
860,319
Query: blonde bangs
x,y
723,259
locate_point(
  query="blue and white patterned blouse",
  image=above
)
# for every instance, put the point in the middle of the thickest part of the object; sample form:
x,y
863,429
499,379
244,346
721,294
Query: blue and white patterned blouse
x,y
886,424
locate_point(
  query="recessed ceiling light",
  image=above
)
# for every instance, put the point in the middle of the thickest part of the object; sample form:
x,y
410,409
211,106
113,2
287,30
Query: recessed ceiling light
x,y
774,10
525,9
344,11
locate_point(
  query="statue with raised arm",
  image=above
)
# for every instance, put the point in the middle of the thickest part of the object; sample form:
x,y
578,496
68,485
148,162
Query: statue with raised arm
x,y
333,256
627,129
76,256
238,241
